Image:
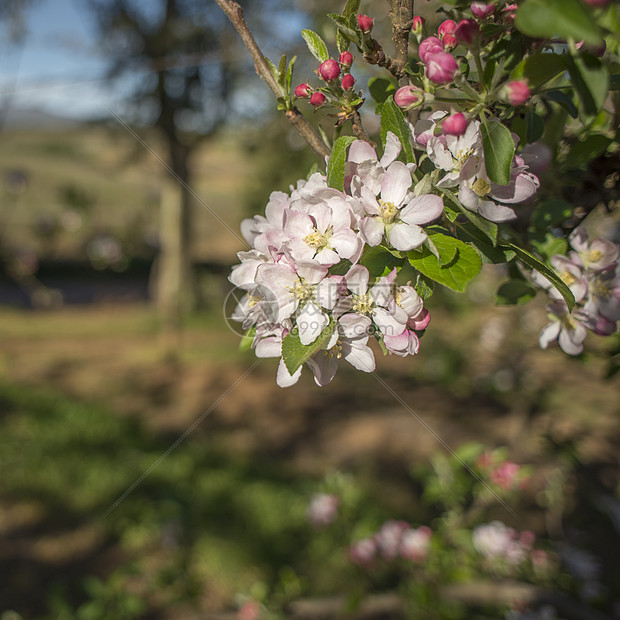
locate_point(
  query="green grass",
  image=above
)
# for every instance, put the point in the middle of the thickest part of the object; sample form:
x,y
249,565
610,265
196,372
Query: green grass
x,y
201,519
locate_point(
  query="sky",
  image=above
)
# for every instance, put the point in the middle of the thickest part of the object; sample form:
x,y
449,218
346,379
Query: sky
x,y
56,68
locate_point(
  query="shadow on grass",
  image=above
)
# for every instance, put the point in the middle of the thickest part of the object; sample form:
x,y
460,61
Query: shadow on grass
x,y
200,522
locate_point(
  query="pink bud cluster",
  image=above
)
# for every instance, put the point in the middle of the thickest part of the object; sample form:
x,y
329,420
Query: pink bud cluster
x,y
394,540
330,71
441,67
504,473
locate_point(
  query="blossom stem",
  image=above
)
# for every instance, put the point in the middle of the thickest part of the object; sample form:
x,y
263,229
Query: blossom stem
x,y
234,12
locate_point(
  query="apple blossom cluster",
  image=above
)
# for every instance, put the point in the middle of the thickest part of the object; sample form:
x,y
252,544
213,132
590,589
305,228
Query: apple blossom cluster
x,y
592,273
303,277
323,509
504,473
395,539
455,148
504,550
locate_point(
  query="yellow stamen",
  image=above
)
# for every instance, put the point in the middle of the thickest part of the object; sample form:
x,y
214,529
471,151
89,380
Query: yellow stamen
x,y
482,187
388,211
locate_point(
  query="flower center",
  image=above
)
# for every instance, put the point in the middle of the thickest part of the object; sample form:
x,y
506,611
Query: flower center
x,y
461,157
482,187
252,301
317,240
388,211
568,278
600,289
594,255
362,304
301,291
336,350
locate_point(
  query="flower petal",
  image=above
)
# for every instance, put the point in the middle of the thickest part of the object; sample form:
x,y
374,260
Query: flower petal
x,y
395,183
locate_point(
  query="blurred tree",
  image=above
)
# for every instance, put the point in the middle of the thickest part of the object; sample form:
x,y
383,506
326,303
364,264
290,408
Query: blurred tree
x,y
188,52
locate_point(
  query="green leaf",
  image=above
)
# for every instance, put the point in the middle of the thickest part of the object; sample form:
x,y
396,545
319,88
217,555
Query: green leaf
x,y
515,293
316,45
345,29
591,79
499,150
282,70
550,213
547,244
337,162
582,153
564,100
273,69
531,261
381,88
392,119
551,19
540,68
468,232
509,51
294,353
535,126
379,261
465,264
289,75
351,7
489,229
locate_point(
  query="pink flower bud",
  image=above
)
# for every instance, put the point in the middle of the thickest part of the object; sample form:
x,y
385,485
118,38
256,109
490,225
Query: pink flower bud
x,y
365,23
467,32
345,59
329,70
303,90
482,10
509,11
595,50
449,42
505,475
446,27
408,96
441,68
348,81
516,92
418,25
318,99
455,124
597,3
430,45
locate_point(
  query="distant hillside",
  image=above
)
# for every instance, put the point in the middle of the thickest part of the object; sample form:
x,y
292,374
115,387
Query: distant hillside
x,y
33,118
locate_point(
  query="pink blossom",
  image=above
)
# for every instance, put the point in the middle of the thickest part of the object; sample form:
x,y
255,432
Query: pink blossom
x,y
407,97
598,3
348,81
596,254
467,32
329,70
415,543
482,10
303,90
429,46
365,23
505,474
538,156
448,26
516,92
363,552
509,11
455,124
565,327
249,611
389,538
323,509
345,59
317,99
441,68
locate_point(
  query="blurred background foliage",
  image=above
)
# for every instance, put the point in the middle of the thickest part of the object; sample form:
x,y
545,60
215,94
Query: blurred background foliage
x,y
91,399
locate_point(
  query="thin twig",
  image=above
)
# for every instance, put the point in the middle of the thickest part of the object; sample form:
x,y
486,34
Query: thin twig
x,y
401,15
358,128
235,14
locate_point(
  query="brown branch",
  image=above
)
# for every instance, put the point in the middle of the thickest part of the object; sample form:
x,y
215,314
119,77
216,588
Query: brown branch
x,y
358,129
401,14
235,14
